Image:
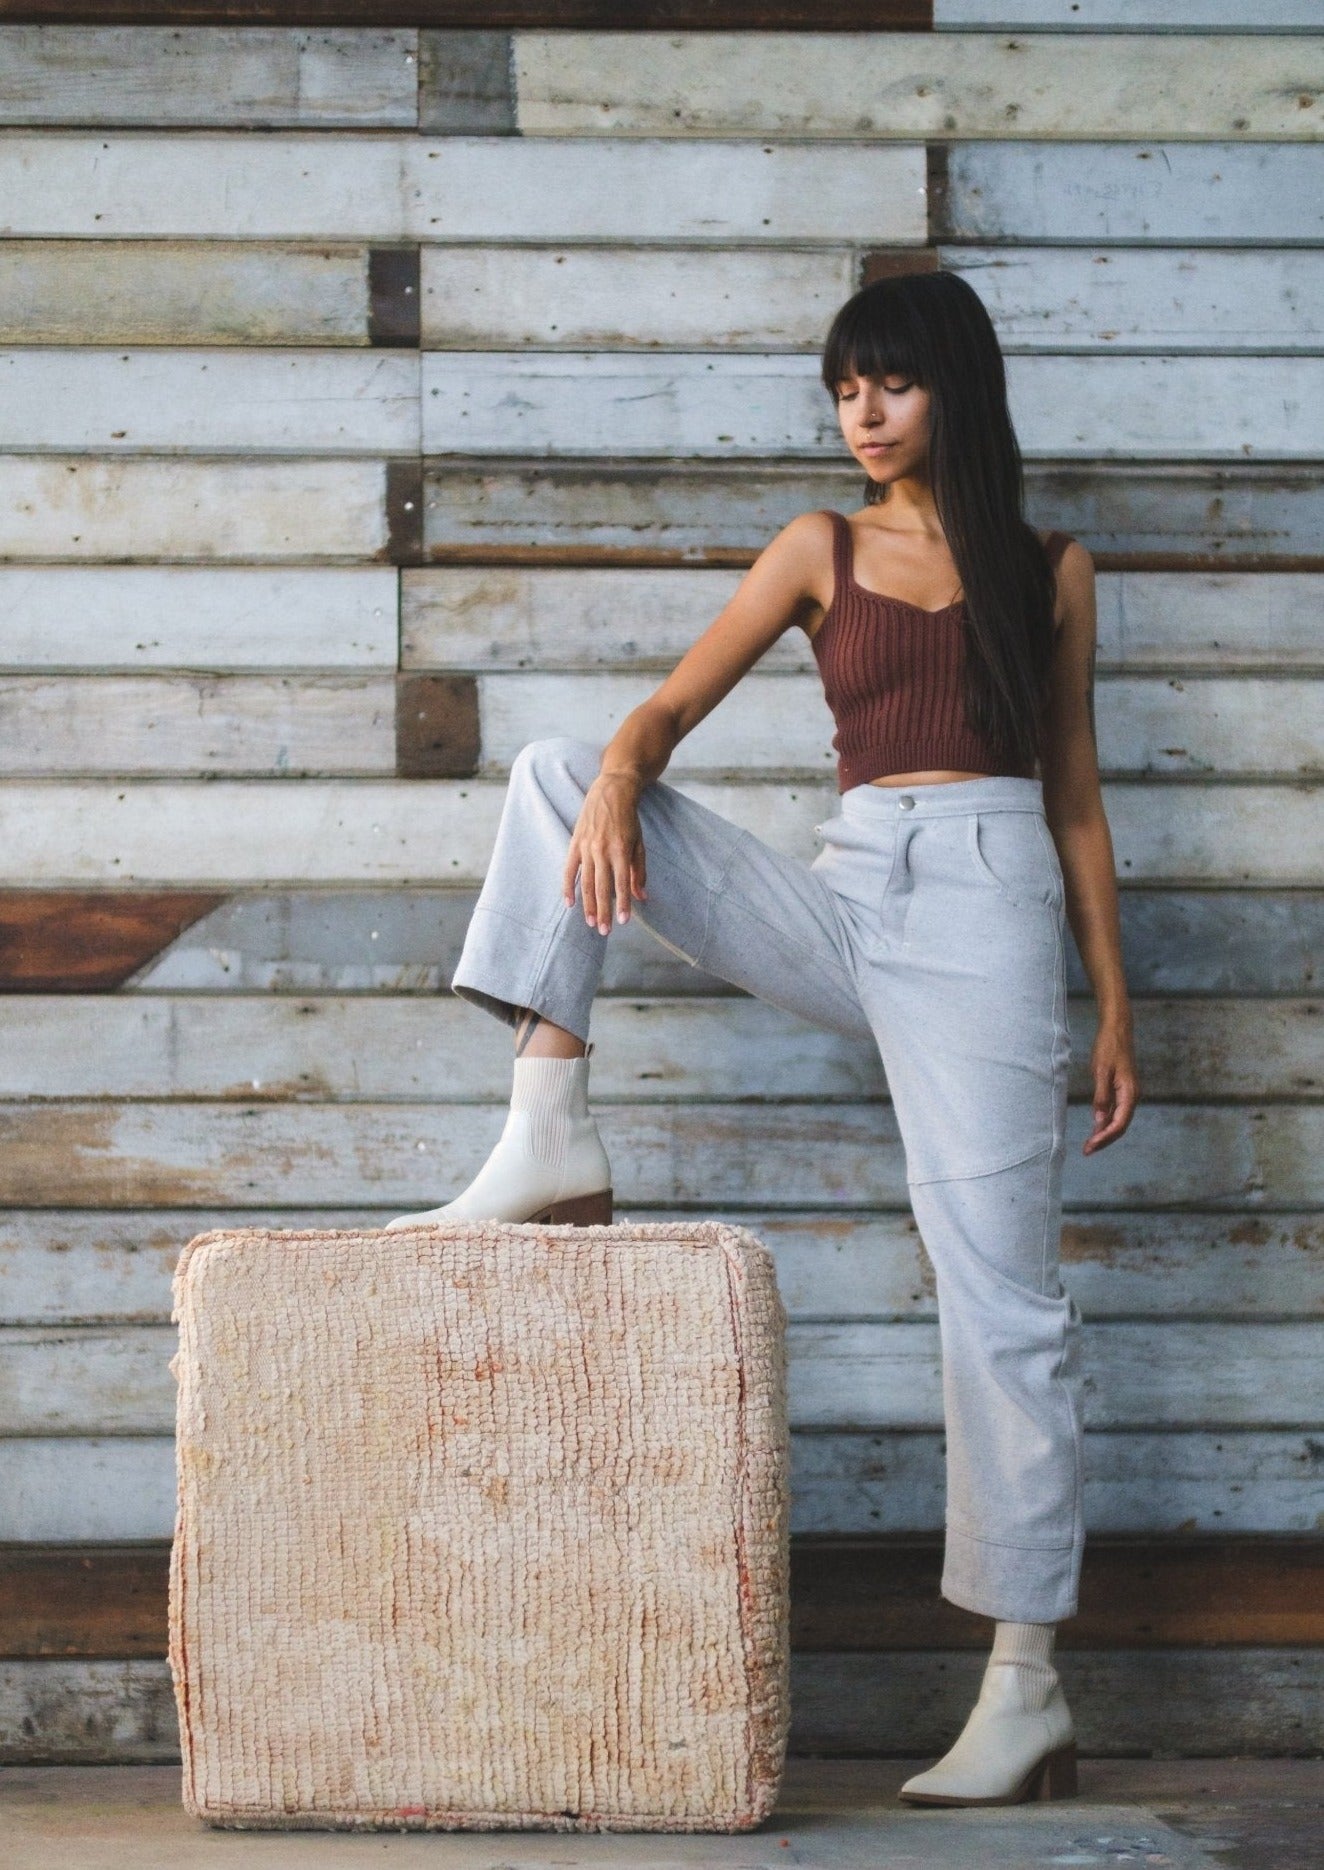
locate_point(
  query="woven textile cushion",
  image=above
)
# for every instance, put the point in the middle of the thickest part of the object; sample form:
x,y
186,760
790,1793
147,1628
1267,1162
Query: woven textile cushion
x,y
482,1525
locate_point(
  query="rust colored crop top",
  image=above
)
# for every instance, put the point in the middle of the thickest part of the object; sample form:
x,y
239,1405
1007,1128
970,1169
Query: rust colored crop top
x,y
892,677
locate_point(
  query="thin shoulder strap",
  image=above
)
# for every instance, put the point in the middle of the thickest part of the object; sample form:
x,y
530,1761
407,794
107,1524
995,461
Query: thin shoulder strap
x,y
1055,545
841,553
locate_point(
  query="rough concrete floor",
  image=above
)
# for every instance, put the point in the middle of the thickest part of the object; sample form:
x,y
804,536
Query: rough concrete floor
x,y
1179,1815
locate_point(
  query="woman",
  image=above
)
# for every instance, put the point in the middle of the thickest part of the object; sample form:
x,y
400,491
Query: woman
x,y
958,664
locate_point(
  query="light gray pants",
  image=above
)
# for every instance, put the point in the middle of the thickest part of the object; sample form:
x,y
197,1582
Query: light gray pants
x,y
931,921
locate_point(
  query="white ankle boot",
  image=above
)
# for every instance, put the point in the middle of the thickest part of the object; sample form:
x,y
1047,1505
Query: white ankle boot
x,y
1009,1750
549,1163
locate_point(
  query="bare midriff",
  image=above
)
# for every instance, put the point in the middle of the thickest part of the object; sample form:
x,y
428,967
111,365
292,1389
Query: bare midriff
x,y
924,779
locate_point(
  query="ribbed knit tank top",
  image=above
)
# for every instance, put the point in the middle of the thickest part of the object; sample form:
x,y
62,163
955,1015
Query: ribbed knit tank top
x,y
892,677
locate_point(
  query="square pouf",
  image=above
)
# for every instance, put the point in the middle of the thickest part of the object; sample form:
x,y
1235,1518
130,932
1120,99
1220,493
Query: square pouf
x,y
482,1525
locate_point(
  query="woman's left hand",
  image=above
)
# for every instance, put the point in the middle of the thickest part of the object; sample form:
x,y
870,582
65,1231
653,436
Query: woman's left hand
x,y
1116,1085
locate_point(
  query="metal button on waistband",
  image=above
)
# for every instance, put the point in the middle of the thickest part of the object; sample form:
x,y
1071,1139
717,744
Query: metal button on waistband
x,y
905,801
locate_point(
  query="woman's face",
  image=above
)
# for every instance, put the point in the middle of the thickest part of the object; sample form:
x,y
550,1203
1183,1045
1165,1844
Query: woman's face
x,y
885,421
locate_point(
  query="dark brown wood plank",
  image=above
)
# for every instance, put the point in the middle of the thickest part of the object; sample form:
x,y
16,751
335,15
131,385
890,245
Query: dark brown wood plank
x,y
1211,1591
393,297
847,1595
83,1600
437,732
534,15
89,941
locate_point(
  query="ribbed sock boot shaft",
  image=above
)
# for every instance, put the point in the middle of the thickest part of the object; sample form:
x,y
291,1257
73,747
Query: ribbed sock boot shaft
x,y
1028,1648
552,1092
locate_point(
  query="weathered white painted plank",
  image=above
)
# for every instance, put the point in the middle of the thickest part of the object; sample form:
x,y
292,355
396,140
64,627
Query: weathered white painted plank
x,y
71,1266
1214,1702
407,940
1126,15
1170,1481
1189,725
365,1047
1138,299
68,1488
1160,515
897,85
521,617
175,617
90,510
1070,298
256,76
735,404
223,833
379,187
627,298
108,401
143,725
1262,193
98,1153
1195,725
160,292
106,1380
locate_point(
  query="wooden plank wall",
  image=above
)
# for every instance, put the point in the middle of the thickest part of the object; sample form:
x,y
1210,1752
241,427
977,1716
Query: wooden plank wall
x,y
285,586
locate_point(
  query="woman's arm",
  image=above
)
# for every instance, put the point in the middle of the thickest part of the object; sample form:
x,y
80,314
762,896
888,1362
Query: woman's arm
x,y
782,587
779,590
1073,802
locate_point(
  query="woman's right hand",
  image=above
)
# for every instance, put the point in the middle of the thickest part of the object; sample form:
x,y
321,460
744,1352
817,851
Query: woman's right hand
x,y
607,846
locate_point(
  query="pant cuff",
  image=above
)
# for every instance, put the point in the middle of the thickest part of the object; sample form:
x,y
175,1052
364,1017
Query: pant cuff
x,y
1011,1583
505,964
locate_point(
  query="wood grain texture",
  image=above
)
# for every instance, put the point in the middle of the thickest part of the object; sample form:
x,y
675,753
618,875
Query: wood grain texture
x,y
1134,515
137,292
122,618
1193,725
76,834
1162,300
1231,1159
1196,86
407,939
633,297
623,298
1147,193
85,510
545,618
438,726
733,404
613,15
162,724
246,402
80,942
449,725
381,187
876,1595
365,1047
259,77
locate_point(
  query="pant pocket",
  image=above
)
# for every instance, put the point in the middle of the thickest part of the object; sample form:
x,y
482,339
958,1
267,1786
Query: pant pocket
x,y
1013,853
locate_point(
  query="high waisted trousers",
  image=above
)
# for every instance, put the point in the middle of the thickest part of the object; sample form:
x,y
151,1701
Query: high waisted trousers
x,y
932,922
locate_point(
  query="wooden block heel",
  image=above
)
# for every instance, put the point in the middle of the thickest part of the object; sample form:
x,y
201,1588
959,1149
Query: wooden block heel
x,y
593,1210
1055,1775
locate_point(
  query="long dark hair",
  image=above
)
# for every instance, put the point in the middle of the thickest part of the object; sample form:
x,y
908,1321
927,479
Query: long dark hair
x,y
935,329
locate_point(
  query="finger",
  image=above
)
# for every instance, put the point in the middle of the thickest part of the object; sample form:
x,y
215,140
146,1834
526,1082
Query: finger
x,y
640,881
621,885
588,887
600,897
